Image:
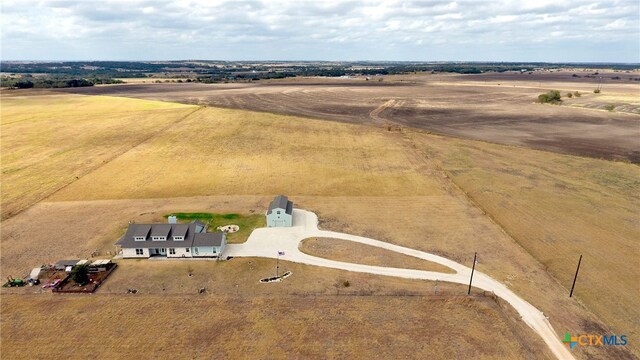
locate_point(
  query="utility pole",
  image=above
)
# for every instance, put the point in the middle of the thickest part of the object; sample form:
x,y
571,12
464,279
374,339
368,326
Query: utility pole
x,y
277,265
575,277
475,256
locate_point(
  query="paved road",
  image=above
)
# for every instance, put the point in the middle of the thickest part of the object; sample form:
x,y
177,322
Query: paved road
x,y
266,242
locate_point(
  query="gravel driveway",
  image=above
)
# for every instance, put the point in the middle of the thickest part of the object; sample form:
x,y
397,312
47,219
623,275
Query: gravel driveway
x,y
266,242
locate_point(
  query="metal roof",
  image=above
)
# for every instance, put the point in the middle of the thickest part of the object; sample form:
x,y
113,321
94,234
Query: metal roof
x,y
65,263
281,202
35,273
101,262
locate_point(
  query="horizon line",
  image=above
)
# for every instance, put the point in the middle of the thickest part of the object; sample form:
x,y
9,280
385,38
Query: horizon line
x,y
337,61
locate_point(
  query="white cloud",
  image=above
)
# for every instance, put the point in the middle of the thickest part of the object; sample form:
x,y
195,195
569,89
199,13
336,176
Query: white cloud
x,y
368,29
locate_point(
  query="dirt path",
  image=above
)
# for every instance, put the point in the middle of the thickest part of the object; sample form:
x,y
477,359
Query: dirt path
x,y
375,114
267,242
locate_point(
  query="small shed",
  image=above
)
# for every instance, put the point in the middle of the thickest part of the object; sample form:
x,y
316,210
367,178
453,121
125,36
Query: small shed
x,y
280,212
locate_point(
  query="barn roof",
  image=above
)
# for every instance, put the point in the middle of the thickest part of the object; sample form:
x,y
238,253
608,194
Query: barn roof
x,y
281,202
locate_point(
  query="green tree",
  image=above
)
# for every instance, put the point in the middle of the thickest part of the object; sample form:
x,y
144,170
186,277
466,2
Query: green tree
x,y
23,84
80,274
552,97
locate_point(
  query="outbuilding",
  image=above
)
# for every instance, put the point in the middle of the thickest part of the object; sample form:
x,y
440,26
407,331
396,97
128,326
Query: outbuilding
x,y
65,265
280,212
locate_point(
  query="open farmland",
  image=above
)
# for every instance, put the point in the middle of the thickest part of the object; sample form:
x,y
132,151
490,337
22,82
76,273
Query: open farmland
x,y
221,151
364,180
357,327
49,141
499,108
558,207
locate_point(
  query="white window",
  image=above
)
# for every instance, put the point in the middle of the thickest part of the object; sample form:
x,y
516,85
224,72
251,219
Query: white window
x,y
187,249
214,250
195,251
139,252
278,212
178,238
172,251
158,238
138,238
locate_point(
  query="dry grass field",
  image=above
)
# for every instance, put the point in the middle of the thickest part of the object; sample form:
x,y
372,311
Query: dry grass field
x,y
348,251
401,187
558,207
220,151
105,221
49,141
199,327
495,107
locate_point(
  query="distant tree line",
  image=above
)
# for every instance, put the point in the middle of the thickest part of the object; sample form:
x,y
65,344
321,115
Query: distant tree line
x,y
27,82
220,71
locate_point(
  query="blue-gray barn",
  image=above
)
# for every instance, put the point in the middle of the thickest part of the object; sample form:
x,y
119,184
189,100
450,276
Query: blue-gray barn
x,y
280,212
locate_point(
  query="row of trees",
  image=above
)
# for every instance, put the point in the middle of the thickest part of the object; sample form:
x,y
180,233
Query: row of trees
x,y
53,82
554,97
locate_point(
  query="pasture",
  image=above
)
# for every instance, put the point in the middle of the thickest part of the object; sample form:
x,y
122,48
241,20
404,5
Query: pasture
x,y
526,212
558,207
358,327
233,152
496,107
50,141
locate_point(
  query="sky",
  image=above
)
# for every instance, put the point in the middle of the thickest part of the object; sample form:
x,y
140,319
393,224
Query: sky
x,y
527,30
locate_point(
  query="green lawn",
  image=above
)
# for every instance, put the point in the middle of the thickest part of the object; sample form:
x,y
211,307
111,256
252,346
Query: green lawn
x,y
246,222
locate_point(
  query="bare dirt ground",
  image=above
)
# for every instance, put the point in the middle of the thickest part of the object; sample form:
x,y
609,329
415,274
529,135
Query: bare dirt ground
x,y
493,107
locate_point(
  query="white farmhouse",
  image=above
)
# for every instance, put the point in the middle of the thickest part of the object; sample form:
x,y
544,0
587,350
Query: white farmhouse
x,y
171,240
280,212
